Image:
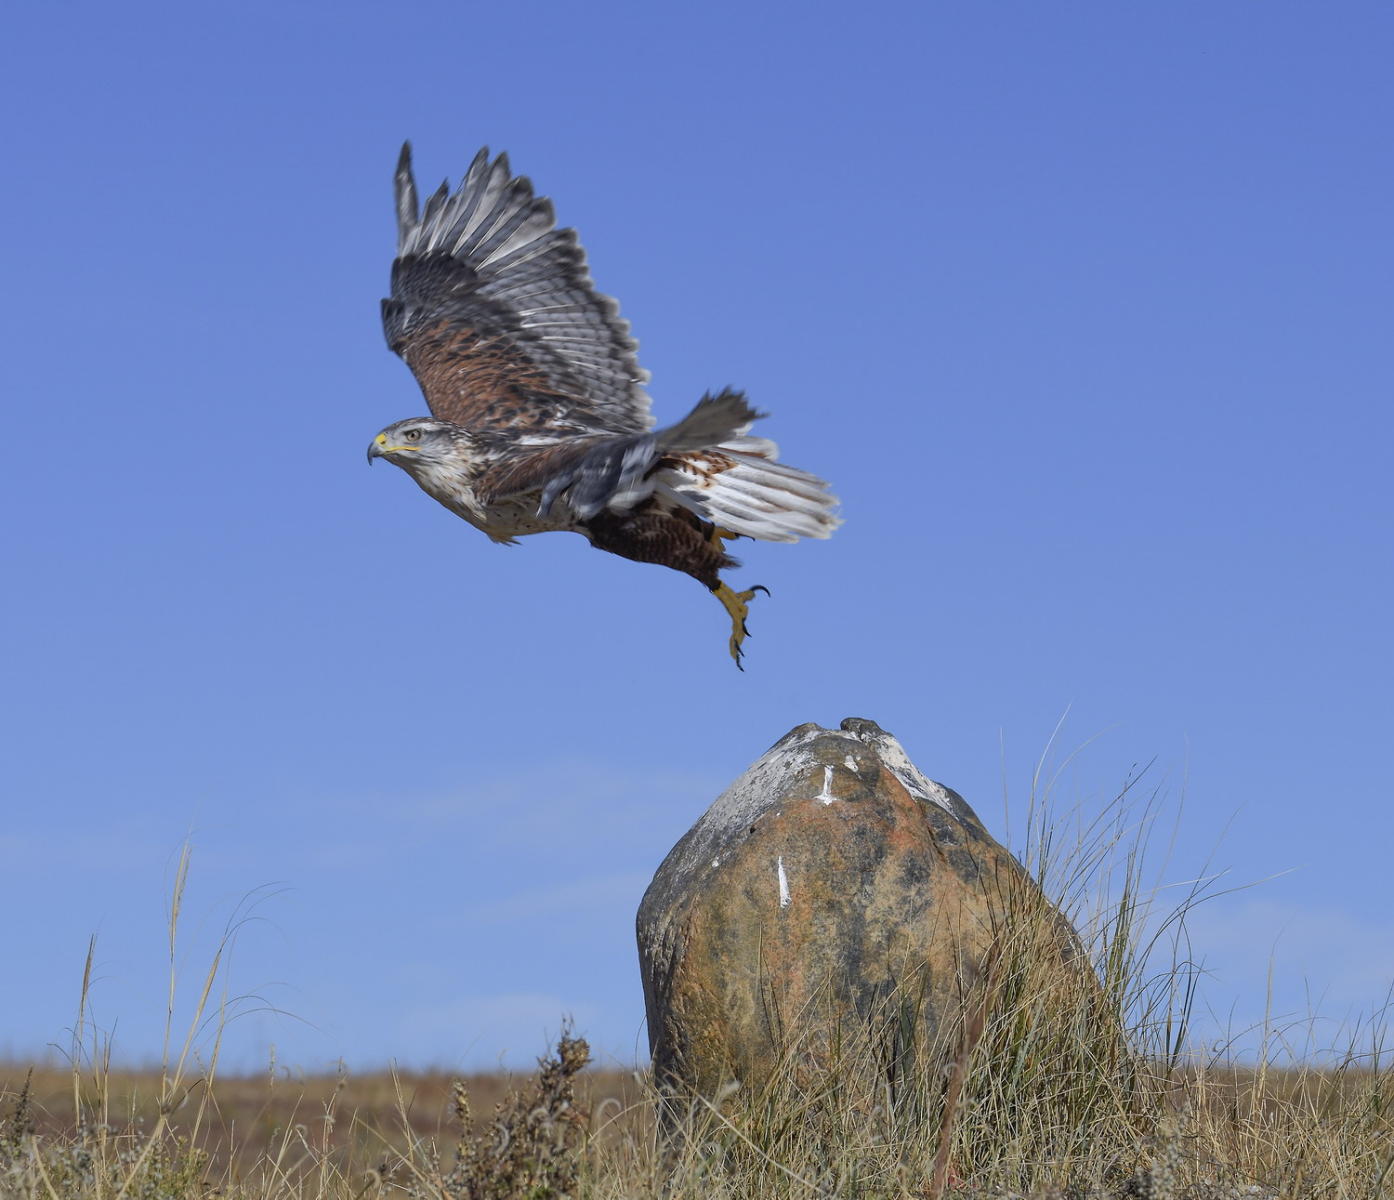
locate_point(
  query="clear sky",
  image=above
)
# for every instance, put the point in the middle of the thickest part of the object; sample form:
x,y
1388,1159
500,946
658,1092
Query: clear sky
x,y
1085,309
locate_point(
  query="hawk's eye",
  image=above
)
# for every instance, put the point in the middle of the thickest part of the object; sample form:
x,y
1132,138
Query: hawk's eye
x,y
413,435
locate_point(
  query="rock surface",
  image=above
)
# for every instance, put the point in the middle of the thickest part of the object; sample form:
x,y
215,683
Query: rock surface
x,y
832,885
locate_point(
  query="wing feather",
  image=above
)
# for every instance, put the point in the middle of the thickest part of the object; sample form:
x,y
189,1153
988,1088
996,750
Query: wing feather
x,y
494,310
616,472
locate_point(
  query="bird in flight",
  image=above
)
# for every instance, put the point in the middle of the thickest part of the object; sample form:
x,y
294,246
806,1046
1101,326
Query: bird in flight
x,y
539,418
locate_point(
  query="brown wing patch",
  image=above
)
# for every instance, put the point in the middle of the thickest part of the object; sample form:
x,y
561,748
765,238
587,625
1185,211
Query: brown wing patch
x,y
481,381
669,537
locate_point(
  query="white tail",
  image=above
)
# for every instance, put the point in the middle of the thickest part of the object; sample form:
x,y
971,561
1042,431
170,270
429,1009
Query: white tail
x,y
739,486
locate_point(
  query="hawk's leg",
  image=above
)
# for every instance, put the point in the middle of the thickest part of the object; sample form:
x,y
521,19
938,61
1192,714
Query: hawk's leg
x,y
719,537
737,606
681,540
735,603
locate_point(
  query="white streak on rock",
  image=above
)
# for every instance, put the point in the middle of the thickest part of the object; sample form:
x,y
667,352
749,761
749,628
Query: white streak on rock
x,y
919,785
783,883
777,773
826,795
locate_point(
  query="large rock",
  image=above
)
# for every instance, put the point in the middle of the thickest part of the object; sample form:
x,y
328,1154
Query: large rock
x,y
832,887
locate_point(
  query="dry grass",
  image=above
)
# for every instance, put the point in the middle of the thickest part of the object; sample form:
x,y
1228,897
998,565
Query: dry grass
x,y
1190,1132
1048,1084
249,1118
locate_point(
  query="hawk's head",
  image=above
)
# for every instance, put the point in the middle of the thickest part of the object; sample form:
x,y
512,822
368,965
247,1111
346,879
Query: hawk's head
x,y
415,443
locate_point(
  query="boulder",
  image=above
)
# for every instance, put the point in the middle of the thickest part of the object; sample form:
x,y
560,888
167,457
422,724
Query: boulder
x,y
832,891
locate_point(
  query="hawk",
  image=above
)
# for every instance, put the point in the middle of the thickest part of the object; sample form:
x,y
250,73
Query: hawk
x,y
539,418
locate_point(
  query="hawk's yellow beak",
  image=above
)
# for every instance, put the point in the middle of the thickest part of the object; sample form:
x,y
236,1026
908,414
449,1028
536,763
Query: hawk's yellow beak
x,y
380,446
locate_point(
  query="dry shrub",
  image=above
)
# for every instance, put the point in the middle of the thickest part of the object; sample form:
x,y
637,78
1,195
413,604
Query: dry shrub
x,y
534,1146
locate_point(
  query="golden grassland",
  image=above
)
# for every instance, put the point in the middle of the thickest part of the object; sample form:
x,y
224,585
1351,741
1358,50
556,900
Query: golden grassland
x,y
246,1118
1048,1083
1189,1132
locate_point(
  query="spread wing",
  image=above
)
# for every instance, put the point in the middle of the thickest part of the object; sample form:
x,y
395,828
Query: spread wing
x,y
494,311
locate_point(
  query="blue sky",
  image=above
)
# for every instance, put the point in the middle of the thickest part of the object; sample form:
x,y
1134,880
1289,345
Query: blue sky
x,y
1084,309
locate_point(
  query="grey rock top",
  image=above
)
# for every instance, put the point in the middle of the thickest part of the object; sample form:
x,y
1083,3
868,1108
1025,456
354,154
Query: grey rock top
x,y
814,765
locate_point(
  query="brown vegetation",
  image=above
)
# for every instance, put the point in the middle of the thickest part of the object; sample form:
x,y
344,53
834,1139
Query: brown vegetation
x,y
251,1118
1210,1134
1038,1090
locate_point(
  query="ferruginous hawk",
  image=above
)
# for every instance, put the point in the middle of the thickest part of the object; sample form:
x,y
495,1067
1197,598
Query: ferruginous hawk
x,y
539,417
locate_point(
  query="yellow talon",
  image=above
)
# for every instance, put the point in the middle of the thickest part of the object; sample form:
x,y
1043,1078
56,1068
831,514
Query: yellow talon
x,y
720,536
737,608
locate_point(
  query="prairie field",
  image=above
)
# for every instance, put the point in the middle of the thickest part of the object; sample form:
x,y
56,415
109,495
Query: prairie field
x,y
240,1123
1202,1132
1047,1082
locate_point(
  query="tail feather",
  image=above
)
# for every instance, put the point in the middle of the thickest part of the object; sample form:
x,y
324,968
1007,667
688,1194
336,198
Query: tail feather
x,y
751,494
749,488
707,464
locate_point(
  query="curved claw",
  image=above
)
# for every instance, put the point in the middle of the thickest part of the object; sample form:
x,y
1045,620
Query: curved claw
x,y
736,605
